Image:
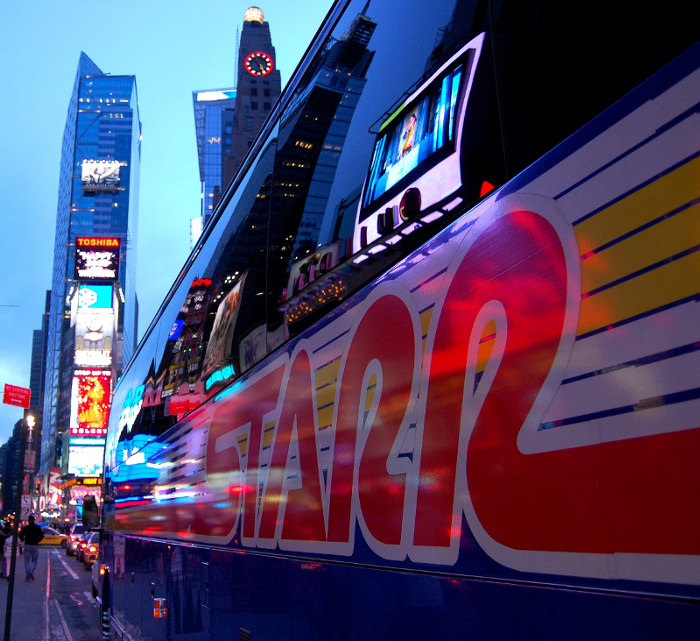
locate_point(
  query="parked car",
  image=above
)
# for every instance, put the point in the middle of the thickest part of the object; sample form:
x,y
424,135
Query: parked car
x,y
92,550
76,533
53,537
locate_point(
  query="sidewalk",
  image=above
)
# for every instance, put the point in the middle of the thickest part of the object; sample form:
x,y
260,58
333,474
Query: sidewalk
x,y
30,603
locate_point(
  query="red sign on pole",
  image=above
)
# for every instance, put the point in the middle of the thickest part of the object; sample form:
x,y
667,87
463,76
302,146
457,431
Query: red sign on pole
x,y
18,396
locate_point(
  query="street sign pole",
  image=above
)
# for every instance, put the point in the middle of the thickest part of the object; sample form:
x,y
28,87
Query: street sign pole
x,y
15,531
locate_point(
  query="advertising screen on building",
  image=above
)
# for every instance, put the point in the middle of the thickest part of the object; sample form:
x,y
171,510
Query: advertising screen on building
x,y
100,176
85,460
96,259
90,402
79,492
94,338
95,297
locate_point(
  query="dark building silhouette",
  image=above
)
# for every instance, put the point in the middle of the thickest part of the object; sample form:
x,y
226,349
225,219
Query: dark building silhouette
x,y
228,119
259,85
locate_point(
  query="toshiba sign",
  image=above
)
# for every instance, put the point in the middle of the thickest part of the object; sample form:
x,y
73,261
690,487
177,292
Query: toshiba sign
x,y
96,258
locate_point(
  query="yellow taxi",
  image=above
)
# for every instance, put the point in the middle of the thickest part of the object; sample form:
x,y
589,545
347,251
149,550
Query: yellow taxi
x,y
53,537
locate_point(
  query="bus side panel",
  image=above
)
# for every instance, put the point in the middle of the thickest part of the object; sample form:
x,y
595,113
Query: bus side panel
x,y
275,599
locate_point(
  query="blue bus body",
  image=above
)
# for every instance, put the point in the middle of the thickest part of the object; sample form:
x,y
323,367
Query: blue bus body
x,y
433,370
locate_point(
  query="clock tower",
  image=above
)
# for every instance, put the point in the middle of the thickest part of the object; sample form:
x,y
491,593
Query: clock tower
x,y
257,89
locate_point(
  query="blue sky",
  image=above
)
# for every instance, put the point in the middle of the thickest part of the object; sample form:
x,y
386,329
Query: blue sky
x,y
172,47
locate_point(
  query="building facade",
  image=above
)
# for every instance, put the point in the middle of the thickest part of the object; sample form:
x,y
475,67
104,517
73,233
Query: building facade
x,y
227,120
92,320
213,121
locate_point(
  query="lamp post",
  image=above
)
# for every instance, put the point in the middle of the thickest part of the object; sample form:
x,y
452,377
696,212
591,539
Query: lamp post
x,y
28,423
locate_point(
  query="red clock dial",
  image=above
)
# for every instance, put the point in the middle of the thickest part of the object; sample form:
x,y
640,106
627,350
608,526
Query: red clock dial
x,y
258,63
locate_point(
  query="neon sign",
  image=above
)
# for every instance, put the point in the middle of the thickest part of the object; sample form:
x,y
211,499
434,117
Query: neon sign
x,y
90,402
93,243
219,376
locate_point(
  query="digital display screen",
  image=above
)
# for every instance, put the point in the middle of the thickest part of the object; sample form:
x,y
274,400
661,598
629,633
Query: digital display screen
x,y
100,176
94,338
95,297
90,402
414,137
85,460
176,329
96,262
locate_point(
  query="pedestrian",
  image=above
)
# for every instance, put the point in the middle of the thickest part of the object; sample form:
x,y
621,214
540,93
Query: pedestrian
x,y
5,536
31,535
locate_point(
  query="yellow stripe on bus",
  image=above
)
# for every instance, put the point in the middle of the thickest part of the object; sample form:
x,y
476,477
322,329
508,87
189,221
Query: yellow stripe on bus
x,y
667,284
663,240
268,432
327,373
425,319
660,197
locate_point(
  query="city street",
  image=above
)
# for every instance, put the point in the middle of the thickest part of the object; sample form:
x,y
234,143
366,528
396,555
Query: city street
x,y
57,606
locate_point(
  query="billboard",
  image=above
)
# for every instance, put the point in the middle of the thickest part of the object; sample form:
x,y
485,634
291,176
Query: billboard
x,y
85,460
95,297
96,259
219,347
90,402
100,176
94,338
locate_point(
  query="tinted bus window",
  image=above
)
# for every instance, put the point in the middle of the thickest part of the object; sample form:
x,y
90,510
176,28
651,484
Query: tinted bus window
x,y
403,120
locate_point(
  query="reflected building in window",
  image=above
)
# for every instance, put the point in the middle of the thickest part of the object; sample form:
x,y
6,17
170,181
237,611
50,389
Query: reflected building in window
x,y
213,121
337,83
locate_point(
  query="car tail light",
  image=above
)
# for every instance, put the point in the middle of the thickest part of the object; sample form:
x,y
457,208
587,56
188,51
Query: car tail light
x,y
92,548
160,608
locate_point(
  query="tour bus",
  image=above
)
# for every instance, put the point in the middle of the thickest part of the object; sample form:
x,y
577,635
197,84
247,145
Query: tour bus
x,y
432,370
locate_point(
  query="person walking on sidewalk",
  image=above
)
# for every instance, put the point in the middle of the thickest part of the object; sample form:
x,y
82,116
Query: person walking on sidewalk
x,y
31,535
6,550
5,534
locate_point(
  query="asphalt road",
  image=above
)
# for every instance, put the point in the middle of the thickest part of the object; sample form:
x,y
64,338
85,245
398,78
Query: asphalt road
x,y
57,606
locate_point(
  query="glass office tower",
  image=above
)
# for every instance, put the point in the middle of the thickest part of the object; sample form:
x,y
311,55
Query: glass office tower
x,y
97,211
213,120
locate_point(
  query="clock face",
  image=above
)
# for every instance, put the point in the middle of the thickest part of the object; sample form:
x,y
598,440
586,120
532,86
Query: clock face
x,y
258,63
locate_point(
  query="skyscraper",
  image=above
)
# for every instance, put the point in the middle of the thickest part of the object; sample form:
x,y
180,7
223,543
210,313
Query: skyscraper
x,y
92,326
213,122
227,120
259,85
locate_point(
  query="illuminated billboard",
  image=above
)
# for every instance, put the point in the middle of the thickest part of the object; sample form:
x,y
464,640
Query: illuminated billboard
x,y
90,402
94,338
419,134
85,460
96,259
415,170
100,176
219,347
95,297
